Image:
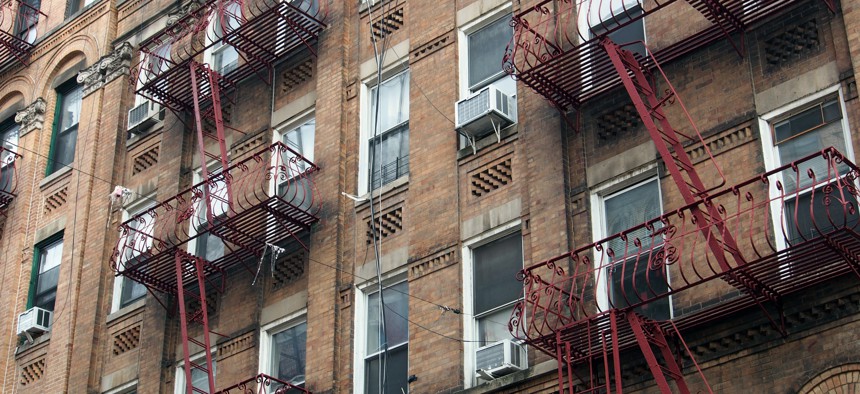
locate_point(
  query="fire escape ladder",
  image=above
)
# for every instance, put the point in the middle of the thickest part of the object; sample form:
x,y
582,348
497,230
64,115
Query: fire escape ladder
x,y
211,78
191,274
648,336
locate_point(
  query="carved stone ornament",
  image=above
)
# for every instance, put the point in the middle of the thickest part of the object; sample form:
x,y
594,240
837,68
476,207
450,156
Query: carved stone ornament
x,y
32,117
179,13
109,67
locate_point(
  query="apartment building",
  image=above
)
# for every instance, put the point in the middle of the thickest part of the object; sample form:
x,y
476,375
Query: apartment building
x,y
315,196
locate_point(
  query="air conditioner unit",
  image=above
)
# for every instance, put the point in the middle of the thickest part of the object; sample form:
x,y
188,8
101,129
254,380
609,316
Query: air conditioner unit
x,y
486,111
144,115
499,359
34,320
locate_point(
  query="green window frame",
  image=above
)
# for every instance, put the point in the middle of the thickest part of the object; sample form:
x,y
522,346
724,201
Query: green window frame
x,y
67,114
37,275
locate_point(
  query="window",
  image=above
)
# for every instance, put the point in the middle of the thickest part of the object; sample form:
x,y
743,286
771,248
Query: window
x,y
26,20
485,52
284,353
224,57
631,280
9,143
65,135
46,273
794,134
633,31
137,242
156,62
208,245
388,140
73,6
199,379
284,29
301,140
374,359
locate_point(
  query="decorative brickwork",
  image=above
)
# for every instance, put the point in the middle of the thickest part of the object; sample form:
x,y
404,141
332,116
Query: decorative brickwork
x,y
389,22
723,141
838,380
56,200
792,43
126,340
428,48
297,75
491,177
346,296
289,268
388,224
433,263
237,345
192,303
247,146
32,372
617,122
145,160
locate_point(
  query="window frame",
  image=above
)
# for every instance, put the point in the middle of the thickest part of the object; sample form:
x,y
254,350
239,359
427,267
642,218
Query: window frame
x,y
362,293
470,322
197,177
35,273
179,374
288,127
30,29
126,388
584,26
366,134
128,212
770,150
62,92
599,196
467,30
267,333
219,46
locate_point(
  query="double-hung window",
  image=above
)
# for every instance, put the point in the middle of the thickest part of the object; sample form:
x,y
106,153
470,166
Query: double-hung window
x,y
26,20
9,143
46,273
495,288
65,134
156,62
225,57
199,379
296,187
135,243
389,130
284,353
485,52
630,278
207,245
379,364
798,133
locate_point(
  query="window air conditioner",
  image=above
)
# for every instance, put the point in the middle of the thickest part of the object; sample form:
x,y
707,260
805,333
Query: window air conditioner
x,y
486,111
34,320
499,359
144,115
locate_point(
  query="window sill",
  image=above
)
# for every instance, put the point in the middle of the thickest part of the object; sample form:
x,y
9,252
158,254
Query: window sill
x,y
132,308
38,343
384,190
136,138
510,381
55,178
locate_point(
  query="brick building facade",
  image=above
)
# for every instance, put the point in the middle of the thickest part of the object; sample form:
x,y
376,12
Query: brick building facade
x,y
303,201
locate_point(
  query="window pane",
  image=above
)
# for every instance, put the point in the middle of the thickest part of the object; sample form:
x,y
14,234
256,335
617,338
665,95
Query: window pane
x,y
199,379
46,288
633,282
9,141
396,372
630,208
209,246
486,51
289,354
635,31
70,108
495,271
493,327
66,135
301,140
396,313
391,156
805,144
393,104
131,292
805,220
50,256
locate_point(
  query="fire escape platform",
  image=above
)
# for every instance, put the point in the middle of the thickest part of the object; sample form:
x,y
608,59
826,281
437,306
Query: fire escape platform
x,y
12,48
263,384
255,218
553,53
8,178
270,31
561,296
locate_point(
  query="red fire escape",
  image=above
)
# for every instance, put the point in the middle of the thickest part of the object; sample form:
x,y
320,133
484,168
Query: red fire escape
x,y
762,239
18,22
265,199
8,178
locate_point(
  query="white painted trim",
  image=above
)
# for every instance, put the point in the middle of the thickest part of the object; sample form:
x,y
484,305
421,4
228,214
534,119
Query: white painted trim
x,y
365,133
360,323
470,325
179,375
130,210
269,330
124,388
463,43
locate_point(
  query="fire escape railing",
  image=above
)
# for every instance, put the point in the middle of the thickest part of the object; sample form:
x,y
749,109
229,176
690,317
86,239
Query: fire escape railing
x,y
261,31
8,178
555,50
792,227
17,31
274,198
263,384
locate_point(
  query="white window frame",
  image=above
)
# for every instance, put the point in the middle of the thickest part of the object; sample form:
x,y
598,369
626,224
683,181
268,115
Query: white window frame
x,y
135,208
179,374
270,330
145,75
360,326
124,388
197,177
584,25
285,128
770,152
463,47
218,47
365,133
470,323
598,196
